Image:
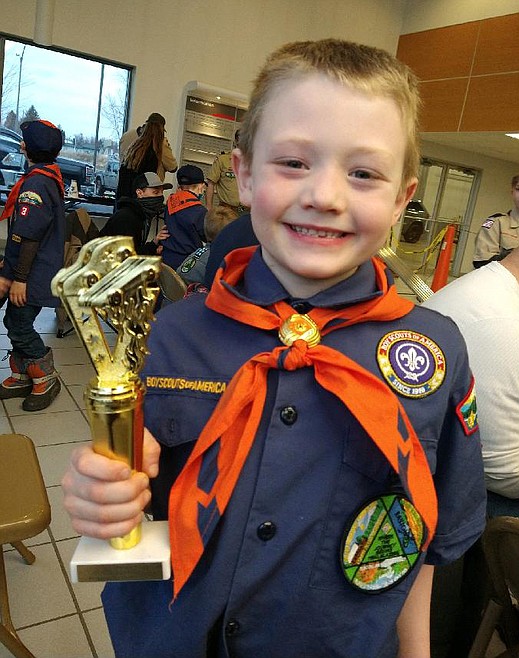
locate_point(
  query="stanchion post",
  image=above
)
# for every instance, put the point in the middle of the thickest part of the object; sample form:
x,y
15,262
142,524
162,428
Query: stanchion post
x,y
441,273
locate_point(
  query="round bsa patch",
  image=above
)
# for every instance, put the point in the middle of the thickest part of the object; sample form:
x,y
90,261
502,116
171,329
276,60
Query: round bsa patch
x,y
411,363
383,543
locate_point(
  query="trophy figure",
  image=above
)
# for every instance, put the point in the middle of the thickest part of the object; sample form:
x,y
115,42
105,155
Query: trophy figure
x,y
110,283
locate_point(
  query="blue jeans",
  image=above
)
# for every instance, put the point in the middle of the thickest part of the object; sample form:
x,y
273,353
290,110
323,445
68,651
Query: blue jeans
x,y
19,322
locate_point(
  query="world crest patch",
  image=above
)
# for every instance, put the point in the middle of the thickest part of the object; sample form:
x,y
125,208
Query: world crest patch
x,y
411,363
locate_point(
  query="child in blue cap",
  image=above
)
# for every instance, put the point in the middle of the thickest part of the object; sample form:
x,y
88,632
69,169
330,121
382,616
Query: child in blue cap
x,y
33,255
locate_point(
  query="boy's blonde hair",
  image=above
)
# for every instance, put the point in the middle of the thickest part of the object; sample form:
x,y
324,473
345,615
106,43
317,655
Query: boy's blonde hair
x,y
216,219
360,67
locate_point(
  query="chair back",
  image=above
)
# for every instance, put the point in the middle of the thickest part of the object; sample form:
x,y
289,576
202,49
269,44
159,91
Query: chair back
x,y
501,547
172,285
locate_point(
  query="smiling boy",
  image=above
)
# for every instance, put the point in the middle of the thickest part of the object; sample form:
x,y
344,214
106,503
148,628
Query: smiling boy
x,y
308,509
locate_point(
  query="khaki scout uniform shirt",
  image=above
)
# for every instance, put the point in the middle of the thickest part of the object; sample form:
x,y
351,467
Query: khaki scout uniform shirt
x,y
222,175
498,234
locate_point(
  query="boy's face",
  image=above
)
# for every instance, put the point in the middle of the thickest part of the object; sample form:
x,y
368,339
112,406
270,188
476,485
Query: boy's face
x,y
147,192
324,184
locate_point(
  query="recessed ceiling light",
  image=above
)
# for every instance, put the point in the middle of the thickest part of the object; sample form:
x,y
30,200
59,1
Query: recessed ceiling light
x,y
514,135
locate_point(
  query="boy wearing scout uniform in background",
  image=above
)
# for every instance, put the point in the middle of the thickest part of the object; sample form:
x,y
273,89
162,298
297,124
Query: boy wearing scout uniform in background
x,y
499,234
34,253
343,461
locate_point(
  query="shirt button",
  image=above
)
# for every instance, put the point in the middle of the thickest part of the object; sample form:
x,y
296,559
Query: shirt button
x,y
266,530
288,415
232,627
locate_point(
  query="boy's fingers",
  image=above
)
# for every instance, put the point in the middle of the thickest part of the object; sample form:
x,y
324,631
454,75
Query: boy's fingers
x,y
150,454
88,463
90,528
102,492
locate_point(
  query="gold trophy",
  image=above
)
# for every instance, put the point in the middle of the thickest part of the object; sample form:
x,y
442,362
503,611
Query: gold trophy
x,y
110,286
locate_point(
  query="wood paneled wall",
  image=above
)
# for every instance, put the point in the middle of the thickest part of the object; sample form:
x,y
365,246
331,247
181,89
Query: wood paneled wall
x,y
469,74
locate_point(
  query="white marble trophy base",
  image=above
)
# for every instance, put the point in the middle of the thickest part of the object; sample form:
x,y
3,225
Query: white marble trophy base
x,y
95,560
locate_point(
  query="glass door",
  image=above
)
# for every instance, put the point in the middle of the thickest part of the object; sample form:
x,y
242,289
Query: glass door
x,y
445,195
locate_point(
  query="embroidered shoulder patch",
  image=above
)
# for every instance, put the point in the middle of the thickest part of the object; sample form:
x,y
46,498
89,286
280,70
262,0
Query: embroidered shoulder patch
x,y
412,364
467,411
488,223
188,265
32,198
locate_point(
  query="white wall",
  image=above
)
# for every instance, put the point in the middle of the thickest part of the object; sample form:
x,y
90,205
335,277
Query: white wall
x,y
429,14
494,191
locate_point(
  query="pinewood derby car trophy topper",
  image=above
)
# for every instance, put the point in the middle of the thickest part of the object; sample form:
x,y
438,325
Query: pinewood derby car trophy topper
x,y
110,283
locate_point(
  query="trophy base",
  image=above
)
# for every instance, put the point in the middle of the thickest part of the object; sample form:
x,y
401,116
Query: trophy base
x,y
94,560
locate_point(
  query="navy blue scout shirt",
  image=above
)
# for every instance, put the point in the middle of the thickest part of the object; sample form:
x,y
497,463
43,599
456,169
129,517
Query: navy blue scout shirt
x,y
186,230
270,581
39,215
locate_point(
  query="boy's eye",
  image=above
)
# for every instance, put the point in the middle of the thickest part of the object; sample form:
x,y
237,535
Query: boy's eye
x,y
293,164
362,174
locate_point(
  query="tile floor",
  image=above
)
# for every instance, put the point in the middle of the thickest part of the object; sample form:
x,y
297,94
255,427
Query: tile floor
x,y
54,618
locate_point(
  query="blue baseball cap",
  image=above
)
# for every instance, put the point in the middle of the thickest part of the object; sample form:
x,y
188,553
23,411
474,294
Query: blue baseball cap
x,y
40,135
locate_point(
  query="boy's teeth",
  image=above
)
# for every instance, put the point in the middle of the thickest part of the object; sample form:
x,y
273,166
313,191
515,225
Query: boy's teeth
x,y
310,231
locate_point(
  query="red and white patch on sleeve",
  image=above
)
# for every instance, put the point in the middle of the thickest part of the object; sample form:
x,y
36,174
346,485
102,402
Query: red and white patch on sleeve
x,y
23,211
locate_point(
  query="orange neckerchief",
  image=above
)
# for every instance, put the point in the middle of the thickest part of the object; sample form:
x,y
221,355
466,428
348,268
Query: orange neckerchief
x,y
181,200
50,170
235,420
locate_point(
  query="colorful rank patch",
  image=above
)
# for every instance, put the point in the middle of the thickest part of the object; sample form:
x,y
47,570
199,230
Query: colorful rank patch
x,y
383,544
412,364
31,198
467,411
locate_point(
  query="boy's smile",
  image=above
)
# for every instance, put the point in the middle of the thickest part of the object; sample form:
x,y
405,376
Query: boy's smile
x,y
324,184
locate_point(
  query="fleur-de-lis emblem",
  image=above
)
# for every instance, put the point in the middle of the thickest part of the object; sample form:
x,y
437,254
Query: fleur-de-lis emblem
x,y
412,360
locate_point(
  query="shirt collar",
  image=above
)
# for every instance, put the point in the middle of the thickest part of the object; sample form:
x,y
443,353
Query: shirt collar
x,y
262,288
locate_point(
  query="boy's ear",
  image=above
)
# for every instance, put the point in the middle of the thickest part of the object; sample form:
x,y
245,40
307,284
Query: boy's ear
x,y
403,198
242,171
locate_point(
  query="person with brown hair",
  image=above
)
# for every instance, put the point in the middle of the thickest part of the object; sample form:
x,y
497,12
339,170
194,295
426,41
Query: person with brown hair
x,y
150,151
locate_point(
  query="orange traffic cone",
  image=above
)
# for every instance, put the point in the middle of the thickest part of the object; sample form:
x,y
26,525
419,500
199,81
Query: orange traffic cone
x,y
444,259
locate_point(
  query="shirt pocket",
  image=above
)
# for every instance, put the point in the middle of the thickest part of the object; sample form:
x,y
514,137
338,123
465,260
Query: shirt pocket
x,y
176,419
363,474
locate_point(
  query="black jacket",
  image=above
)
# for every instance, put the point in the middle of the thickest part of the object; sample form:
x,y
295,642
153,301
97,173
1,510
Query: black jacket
x,y
130,219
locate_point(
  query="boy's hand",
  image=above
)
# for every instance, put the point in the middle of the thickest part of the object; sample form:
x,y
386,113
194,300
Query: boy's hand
x,y
161,235
102,496
5,284
18,293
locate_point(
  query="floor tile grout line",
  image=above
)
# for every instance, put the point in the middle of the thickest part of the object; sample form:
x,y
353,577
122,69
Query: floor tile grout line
x,y
68,583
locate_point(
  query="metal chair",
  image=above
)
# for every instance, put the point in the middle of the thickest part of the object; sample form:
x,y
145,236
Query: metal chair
x,y
24,513
172,286
501,547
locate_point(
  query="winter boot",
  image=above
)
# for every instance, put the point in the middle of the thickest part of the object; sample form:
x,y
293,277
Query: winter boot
x,y
18,384
45,383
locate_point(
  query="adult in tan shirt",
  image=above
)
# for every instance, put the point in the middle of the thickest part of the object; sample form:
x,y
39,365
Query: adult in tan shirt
x,y
499,234
222,181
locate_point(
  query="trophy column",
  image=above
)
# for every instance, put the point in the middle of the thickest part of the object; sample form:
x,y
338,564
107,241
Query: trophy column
x,y
110,285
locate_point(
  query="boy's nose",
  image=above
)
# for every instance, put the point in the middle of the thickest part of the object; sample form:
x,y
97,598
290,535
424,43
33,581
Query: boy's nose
x,y
326,190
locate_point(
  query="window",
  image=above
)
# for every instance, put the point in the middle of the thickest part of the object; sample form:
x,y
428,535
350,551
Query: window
x,y
85,98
